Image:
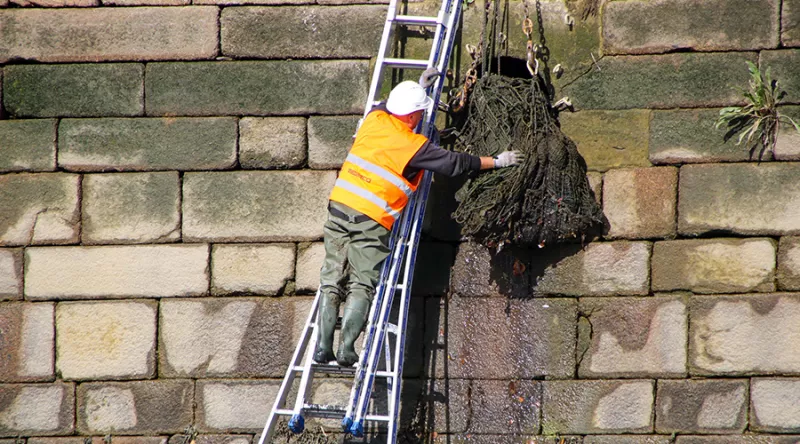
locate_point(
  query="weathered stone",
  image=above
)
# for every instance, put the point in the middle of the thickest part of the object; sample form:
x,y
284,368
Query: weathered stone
x,y
632,82
147,144
302,32
251,2
701,406
10,274
493,338
131,208
37,409
739,198
106,340
57,3
629,439
432,270
597,407
138,271
783,65
251,269
97,34
229,337
601,269
234,406
745,334
714,265
28,145
476,272
647,27
504,407
39,209
790,23
640,203
255,206
272,142
102,440
596,184
84,90
139,407
787,144
632,337
329,140
789,263
309,263
689,136
732,439
137,440
609,139
256,88
774,405
27,342
212,439
147,2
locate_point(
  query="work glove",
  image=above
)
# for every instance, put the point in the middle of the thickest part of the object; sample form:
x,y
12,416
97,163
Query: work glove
x,y
507,159
428,77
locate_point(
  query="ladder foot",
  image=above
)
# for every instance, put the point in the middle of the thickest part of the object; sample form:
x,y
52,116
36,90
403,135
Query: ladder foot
x,y
357,429
346,423
297,424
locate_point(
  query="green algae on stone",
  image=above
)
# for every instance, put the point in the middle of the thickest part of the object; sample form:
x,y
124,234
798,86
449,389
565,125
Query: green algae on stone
x,y
609,139
27,145
784,66
689,136
39,209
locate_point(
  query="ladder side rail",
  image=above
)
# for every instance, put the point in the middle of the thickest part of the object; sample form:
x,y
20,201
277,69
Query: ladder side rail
x,y
288,378
296,422
377,74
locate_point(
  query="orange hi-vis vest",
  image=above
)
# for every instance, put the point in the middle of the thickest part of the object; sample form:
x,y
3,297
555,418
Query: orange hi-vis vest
x,y
371,179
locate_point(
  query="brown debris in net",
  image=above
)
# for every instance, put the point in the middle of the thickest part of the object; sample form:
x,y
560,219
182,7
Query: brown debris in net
x,y
546,198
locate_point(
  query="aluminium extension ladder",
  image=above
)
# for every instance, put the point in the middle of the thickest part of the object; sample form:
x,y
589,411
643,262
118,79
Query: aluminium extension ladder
x,y
399,266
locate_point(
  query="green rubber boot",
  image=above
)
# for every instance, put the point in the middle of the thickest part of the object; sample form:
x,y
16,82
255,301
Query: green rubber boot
x,y
355,316
326,322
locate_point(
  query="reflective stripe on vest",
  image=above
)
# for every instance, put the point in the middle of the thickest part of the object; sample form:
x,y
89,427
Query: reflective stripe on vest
x,y
378,171
369,196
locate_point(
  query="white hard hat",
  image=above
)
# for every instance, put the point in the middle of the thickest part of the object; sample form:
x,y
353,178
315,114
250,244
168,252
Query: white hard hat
x,y
406,98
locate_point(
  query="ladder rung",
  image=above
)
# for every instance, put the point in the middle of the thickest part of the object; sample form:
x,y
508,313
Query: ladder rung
x,y
324,411
405,63
416,20
332,369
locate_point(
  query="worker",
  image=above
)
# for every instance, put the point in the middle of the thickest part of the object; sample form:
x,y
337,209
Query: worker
x,y
381,171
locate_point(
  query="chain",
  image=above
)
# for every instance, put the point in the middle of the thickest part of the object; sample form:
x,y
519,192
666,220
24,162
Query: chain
x,y
532,50
472,73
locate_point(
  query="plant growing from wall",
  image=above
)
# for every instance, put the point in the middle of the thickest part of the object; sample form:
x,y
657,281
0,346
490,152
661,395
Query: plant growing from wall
x,y
757,122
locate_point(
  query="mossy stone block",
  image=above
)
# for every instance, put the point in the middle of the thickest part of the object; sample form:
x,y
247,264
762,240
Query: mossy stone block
x,y
272,142
790,23
40,208
141,144
256,87
302,31
662,81
329,140
27,145
609,139
647,27
787,146
74,90
689,136
784,67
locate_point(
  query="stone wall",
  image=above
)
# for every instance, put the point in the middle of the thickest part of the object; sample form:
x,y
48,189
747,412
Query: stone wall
x,y
164,168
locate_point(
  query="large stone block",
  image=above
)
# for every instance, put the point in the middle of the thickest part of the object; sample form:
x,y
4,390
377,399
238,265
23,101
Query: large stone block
x,y
597,407
609,139
272,142
345,32
106,340
255,206
28,145
784,64
27,341
601,269
689,136
632,337
631,82
479,272
84,90
39,209
739,198
737,439
256,88
147,2
131,208
251,269
790,23
329,140
714,265
10,274
493,338
787,143
99,34
147,144
629,439
229,337
57,3
646,27
116,271
640,203
234,406
744,334
789,263
37,409
212,439
135,408
702,406
774,405
309,262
